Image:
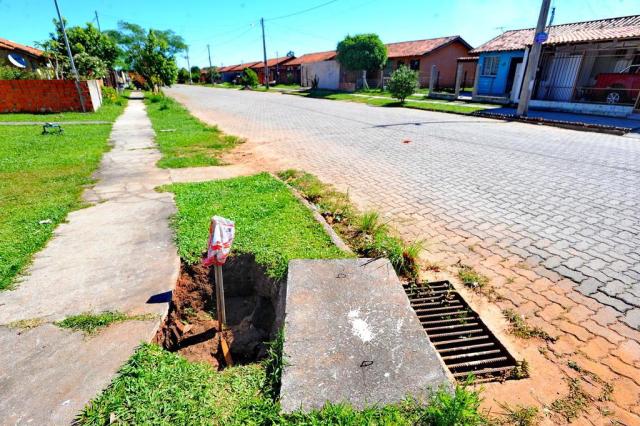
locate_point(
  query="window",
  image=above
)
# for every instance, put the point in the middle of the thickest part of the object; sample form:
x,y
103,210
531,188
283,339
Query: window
x,y
490,65
414,64
399,64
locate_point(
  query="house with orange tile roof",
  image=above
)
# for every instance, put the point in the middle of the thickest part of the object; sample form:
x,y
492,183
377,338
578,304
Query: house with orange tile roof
x,y
422,55
588,67
277,69
21,56
419,55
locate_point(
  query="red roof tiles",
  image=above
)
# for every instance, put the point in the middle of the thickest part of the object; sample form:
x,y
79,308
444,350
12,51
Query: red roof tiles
x,y
313,57
577,32
420,47
12,45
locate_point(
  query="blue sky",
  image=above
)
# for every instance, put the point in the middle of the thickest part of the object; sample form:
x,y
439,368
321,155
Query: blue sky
x,y
232,27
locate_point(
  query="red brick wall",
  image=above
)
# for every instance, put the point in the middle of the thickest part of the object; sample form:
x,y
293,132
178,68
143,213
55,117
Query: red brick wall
x,y
42,96
446,60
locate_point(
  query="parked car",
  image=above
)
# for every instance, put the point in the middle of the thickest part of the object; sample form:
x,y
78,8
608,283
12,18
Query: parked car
x,y
619,87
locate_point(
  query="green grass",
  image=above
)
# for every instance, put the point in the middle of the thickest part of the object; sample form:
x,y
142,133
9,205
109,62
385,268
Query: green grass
x,y
185,141
41,179
161,388
364,233
91,323
270,222
107,112
439,106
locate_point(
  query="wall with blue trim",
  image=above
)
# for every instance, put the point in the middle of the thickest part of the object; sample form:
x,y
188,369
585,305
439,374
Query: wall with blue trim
x,y
496,85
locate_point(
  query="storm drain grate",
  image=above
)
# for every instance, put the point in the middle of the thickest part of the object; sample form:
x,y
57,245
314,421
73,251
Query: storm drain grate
x,y
464,343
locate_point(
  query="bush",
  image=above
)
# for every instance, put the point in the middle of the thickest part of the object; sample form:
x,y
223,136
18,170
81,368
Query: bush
x,y
462,408
13,73
403,83
109,95
249,78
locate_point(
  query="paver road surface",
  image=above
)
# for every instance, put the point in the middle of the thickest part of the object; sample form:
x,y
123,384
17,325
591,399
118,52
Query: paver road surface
x,y
565,202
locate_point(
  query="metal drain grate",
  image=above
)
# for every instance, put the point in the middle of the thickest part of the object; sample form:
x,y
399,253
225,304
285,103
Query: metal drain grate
x,y
464,343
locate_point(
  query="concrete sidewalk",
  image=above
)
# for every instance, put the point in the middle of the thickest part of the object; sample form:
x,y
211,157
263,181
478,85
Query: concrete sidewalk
x,y
117,254
585,119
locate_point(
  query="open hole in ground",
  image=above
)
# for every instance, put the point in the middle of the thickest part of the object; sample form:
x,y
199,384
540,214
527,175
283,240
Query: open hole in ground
x,y
254,308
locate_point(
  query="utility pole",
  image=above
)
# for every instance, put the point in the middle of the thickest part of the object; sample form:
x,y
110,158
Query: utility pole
x,y
73,64
534,56
264,53
277,67
189,67
97,20
210,66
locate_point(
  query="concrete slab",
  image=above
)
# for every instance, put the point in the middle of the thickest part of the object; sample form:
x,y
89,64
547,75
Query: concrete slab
x,y
117,254
351,336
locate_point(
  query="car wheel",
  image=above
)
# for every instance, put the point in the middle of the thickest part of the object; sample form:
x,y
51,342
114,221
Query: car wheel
x,y
613,98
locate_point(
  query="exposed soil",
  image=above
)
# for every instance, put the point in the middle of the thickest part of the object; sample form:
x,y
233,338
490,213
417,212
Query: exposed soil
x,y
254,308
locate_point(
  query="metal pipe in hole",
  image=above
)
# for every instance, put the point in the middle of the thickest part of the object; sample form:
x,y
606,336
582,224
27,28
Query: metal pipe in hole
x,y
222,316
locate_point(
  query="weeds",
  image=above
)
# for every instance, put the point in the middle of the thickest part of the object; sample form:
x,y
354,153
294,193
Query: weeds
x,y
575,403
521,371
460,408
365,233
519,327
607,388
90,323
519,415
471,278
26,324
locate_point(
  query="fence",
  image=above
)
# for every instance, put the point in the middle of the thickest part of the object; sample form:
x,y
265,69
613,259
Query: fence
x,y
609,76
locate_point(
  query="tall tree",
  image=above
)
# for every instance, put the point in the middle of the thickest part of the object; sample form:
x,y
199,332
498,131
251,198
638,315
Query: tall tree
x,y
153,60
151,53
94,52
364,52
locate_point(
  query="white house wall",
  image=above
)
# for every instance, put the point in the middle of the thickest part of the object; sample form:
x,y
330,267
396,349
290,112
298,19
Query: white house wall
x,y
328,73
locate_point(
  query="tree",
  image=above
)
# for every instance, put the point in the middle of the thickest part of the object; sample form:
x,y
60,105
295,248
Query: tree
x,y
403,83
249,78
195,74
212,74
93,52
183,76
131,38
152,59
362,52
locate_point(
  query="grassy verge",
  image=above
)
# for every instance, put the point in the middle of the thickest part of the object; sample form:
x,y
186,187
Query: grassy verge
x,y
270,222
91,323
184,140
364,232
440,106
159,387
41,179
109,111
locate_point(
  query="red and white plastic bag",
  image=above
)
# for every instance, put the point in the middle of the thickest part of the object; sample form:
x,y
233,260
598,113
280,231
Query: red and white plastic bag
x,y
221,233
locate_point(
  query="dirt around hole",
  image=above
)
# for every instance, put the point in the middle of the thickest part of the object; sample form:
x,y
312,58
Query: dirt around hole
x,y
254,308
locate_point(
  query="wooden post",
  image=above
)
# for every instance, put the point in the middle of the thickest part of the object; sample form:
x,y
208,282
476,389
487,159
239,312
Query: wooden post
x,y
458,78
476,80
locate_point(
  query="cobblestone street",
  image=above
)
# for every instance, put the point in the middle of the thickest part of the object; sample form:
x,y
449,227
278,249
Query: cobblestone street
x,y
551,216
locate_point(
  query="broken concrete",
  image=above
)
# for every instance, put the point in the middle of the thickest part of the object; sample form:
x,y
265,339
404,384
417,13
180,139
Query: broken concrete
x,y
118,254
351,336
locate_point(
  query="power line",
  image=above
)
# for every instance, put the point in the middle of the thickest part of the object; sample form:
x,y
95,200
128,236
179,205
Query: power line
x,y
302,11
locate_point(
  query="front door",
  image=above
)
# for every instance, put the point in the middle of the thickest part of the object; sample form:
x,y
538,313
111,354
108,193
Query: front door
x,y
513,66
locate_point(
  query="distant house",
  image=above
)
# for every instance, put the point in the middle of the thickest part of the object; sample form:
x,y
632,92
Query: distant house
x,y
589,67
20,56
319,64
277,69
421,55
